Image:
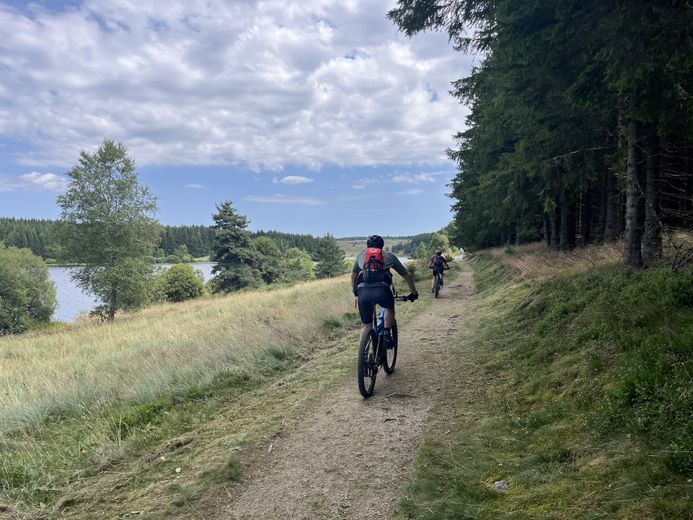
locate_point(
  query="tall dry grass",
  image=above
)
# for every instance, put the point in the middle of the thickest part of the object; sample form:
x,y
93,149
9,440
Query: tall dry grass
x,y
535,261
158,350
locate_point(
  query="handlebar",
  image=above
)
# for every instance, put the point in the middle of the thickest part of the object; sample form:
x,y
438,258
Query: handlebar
x,y
407,298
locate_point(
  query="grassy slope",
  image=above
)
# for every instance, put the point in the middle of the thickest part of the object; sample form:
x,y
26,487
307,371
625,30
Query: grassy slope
x,y
97,418
585,405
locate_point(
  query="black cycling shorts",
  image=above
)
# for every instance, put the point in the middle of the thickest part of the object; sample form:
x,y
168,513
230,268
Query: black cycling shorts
x,y
437,269
369,296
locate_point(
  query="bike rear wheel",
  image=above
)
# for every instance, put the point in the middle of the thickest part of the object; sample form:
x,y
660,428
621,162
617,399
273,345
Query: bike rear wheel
x,y
391,353
436,289
368,364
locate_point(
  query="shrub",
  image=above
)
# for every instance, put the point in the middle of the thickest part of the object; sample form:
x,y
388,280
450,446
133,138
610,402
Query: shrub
x,y
27,296
181,282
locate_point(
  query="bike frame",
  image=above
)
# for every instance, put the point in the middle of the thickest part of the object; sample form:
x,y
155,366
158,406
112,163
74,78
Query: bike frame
x,y
378,327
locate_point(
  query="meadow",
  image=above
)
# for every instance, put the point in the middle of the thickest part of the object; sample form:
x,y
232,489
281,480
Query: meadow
x,y
90,406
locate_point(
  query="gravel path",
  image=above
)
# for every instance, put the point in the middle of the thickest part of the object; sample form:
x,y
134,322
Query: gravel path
x,y
349,457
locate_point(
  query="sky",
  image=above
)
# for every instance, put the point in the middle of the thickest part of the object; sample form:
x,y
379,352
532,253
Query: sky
x,y
311,116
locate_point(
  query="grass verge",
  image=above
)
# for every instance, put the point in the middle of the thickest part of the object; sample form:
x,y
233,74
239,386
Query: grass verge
x,y
576,392
161,412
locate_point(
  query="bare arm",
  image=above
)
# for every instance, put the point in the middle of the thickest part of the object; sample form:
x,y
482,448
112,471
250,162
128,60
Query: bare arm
x,y
410,282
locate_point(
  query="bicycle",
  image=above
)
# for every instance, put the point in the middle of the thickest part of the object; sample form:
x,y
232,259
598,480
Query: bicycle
x,y
372,351
438,282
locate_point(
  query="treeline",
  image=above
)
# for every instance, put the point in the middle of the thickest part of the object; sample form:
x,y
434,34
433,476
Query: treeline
x,y
409,248
38,235
43,238
581,123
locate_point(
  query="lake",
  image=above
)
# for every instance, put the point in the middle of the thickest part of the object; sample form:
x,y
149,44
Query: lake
x,y
73,301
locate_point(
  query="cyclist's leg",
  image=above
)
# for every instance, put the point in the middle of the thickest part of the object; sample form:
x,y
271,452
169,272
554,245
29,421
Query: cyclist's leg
x,y
366,305
387,301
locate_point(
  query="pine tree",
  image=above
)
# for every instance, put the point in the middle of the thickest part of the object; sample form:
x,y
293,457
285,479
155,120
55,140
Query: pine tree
x,y
237,260
330,258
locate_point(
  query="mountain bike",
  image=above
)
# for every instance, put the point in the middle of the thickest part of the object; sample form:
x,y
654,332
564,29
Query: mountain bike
x,y
438,282
373,353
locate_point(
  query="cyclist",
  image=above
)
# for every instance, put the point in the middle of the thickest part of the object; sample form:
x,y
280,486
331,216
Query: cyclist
x,y
438,264
371,280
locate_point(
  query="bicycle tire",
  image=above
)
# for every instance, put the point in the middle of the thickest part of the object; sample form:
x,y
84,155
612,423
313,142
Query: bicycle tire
x,y
437,287
368,365
391,358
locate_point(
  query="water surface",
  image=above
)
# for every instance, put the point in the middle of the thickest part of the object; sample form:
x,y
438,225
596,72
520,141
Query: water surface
x,y
72,301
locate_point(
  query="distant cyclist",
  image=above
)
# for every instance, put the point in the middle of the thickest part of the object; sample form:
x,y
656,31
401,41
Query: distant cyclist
x,y
438,264
371,281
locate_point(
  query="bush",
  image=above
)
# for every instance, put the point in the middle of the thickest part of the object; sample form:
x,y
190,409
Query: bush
x,y
181,282
27,296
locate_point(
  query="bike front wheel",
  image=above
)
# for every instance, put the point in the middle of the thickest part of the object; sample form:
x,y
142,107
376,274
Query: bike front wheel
x,y
368,364
391,353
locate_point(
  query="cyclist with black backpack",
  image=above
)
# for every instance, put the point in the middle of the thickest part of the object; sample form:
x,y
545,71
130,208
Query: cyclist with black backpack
x,y
371,282
438,264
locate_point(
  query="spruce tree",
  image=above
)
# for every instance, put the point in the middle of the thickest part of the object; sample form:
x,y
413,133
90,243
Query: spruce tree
x,y
330,258
237,260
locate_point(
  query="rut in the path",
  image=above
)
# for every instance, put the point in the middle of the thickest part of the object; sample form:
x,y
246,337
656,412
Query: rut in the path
x,y
349,457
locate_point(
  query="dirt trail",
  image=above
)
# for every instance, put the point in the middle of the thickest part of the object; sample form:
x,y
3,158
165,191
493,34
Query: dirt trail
x,y
349,457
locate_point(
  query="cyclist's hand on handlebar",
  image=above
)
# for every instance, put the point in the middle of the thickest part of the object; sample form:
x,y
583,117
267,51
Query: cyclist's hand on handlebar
x,y
413,297
355,291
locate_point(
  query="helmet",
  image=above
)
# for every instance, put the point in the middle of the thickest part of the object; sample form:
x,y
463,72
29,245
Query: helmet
x,y
375,241
439,251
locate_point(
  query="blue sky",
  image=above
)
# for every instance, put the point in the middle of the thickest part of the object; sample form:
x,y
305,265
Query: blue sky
x,y
312,116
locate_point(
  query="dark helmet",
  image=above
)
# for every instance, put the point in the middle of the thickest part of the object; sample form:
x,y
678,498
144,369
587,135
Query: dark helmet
x,y
375,241
439,251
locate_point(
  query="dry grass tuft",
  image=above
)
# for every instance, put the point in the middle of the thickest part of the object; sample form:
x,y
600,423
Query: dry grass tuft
x,y
534,261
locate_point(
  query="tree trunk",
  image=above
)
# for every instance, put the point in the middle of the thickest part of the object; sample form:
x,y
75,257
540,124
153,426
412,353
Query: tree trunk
x,y
632,256
586,216
518,240
567,240
652,236
613,205
556,227
547,229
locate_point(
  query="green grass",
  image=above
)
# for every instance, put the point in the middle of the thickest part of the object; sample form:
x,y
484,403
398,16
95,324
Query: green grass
x,y
94,417
584,405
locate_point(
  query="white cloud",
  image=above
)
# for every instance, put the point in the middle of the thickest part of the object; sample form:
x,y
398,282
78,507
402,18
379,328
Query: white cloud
x,y
283,199
259,84
413,191
414,178
293,179
195,186
34,181
366,182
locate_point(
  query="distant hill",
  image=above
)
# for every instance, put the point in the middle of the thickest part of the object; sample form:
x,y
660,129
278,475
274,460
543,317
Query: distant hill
x,y
354,245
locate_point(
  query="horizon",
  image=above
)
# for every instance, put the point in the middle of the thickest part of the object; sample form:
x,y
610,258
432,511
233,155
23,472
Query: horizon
x,y
249,230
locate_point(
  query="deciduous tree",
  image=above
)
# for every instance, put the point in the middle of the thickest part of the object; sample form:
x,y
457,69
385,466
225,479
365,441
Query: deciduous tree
x,y
27,296
109,228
